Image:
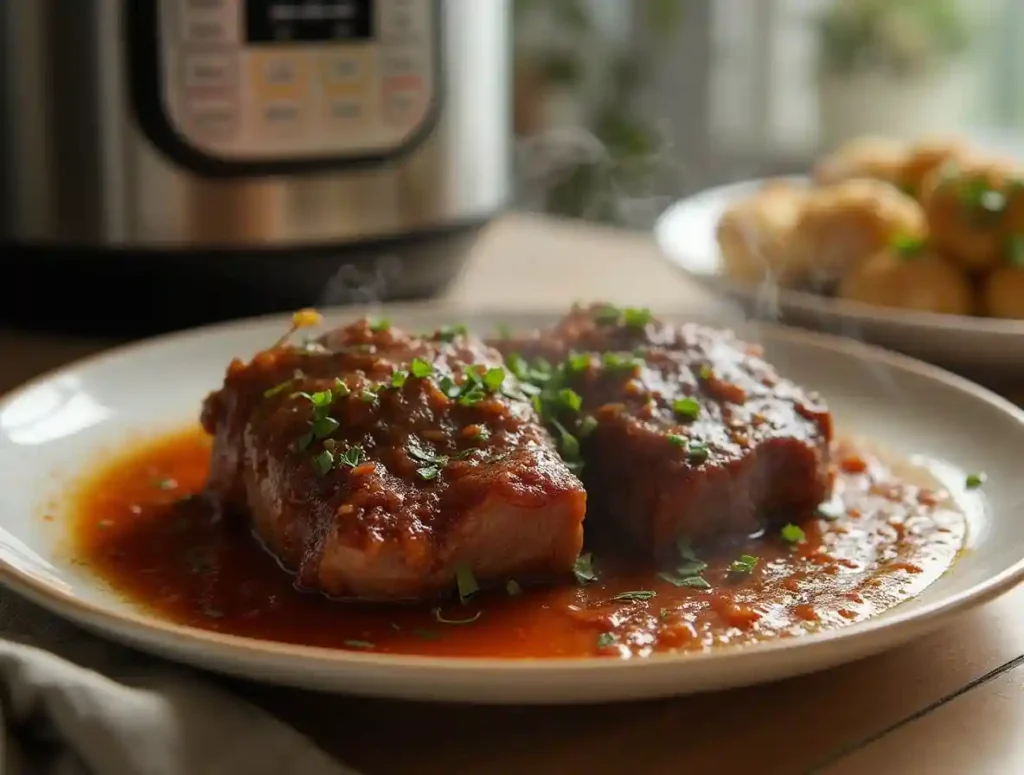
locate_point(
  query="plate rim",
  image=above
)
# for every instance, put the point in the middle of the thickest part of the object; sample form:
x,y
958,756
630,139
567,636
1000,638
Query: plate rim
x,y
147,628
812,303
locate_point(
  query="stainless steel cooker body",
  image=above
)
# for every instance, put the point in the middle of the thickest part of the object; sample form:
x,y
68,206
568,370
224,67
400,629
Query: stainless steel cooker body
x,y
180,125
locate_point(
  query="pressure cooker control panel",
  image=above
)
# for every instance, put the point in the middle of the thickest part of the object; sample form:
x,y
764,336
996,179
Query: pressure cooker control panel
x,y
275,82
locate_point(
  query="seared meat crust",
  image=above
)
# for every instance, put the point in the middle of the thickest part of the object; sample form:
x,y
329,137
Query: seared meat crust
x,y
684,432
378,465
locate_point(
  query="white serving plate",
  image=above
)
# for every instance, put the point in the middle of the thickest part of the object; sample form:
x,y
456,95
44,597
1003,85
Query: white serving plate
x,y
54,427
986,348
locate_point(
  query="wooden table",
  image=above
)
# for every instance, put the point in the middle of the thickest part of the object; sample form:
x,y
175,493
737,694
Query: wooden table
x,y
952,702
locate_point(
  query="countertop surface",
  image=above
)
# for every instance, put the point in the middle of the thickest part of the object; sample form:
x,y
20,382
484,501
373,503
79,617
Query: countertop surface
x,y
951,702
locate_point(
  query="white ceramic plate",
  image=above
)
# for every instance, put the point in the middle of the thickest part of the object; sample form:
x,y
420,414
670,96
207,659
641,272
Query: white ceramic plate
x,y
53,427
982,347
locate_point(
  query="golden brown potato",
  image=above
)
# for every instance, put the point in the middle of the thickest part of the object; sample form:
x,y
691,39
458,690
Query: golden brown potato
x,y
972,209
754,235
921,281
842,225
875,158
927,155
1003,292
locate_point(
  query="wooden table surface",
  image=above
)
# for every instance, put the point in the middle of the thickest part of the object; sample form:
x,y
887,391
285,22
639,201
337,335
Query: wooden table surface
x,y
951,702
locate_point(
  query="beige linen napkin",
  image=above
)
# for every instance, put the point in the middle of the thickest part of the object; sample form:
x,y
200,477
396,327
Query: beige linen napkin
x,y
107,710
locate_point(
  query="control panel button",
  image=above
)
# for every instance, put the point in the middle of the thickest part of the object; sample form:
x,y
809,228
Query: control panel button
x,y
404,61
213,119
210,22
209,71
348,112
348,70
403,108
280,76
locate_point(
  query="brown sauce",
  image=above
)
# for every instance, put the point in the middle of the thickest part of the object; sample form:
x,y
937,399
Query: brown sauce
x,y
134,525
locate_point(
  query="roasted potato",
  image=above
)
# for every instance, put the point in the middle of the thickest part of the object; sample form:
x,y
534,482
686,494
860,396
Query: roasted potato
x,y
912,278
1003,292
927,155
844,224
754,235
972,209
875,158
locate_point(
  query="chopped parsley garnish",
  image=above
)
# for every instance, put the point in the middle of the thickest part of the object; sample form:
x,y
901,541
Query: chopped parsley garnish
x,y
368,395
974,481
678,441
606,640
420,369
340,389
278,389
586,426
324,427
429,473
636,317
512,588
705,372
465,583
583,570
494,378
398,379
323,462
1015,250
570,399
692,567
793,534
448,333
360,644
907,246
516,363
352,457
698,451
687,408
445,620
481,433
616,361
383,324
685,550
696,582
744,565
639,595
568,445
577,362
607,315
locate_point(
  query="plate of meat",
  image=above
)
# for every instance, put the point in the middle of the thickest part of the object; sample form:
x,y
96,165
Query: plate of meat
x,y
414,502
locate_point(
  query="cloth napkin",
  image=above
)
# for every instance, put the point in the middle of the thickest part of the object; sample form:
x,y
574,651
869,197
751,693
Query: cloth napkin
x,y
82,706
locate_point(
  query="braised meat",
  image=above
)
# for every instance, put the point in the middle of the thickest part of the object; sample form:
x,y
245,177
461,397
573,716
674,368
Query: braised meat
x,y
383,466
683,432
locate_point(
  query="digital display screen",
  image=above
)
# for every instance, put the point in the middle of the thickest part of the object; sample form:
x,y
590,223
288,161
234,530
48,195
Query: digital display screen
x,y
307,21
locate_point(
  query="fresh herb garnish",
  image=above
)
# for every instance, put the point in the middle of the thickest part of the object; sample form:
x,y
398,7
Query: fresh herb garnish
x,y
625,361
705,372
908,246
678,441
512,588
974,481
448,333
352,457
698,451
583,570
465,583
744,565
360,644
420,369
383,324
607,314
398,379
570,399
638,595
697,582
586,426
577,362
687,408
444,620
636,317
606,640
323,462
324,427
568,445
793,534
429,473
481,433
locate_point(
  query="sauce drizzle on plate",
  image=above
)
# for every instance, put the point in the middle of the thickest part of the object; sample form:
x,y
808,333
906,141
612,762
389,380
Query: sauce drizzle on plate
x,y
141,524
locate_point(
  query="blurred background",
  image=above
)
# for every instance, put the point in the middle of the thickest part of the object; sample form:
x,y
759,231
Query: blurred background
x,y
678,95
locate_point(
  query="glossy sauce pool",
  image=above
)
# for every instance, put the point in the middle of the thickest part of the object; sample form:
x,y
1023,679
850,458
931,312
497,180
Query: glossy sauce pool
x,y
134,525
